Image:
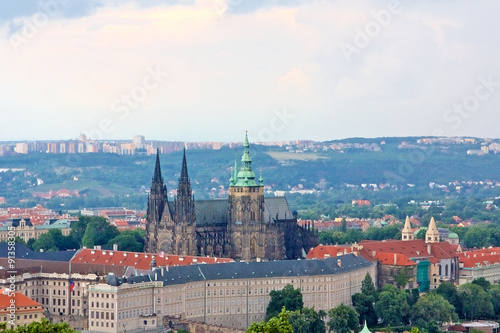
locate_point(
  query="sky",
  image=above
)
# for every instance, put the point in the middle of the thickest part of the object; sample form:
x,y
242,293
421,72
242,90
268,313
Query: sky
x,y
208,70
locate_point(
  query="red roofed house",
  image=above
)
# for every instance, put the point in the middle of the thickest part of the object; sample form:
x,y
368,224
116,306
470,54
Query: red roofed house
x,y
18,310
479,263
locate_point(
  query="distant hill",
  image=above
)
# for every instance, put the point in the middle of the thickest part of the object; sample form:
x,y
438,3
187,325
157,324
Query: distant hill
x,y
318,166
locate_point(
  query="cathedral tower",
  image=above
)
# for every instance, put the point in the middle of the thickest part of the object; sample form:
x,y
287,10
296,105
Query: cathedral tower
x,y
159,224
246,225
184,215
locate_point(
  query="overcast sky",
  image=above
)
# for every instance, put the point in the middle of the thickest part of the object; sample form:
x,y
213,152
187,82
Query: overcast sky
x,y
208,70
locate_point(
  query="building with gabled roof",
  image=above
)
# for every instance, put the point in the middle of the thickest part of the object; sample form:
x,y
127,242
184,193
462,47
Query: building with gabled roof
x,y
483,263
426,265
17,309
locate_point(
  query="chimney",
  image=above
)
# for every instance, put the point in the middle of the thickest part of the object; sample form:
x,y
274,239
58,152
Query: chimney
x,y
374,253
339,263
115,247
429,248
395,258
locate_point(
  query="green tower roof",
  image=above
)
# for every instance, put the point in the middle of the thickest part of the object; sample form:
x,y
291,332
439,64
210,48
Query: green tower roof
x,y
245,177
365,329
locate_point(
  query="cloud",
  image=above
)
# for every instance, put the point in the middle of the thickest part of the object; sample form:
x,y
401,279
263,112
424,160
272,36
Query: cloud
x,y
231,64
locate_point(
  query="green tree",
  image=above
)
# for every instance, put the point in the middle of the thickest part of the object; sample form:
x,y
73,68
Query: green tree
x,y
421,233
494,291
476,303
45,242
307,320
401,277
450,293
98,232
278,324
430,309
343,225
343,319
78,228
39,326
368,288
364,306
288,298
482,282
127,242
392,305
477,236
364,302
19,240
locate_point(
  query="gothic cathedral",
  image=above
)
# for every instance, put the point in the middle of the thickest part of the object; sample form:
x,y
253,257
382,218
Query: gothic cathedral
x,y
246,226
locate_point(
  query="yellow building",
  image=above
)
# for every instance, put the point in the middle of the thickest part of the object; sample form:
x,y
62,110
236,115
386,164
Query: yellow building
x,y
18,310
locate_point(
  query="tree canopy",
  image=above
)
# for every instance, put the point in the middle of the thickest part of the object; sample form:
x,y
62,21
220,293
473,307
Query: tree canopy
x,y
343,319
38,326
288,298
278,324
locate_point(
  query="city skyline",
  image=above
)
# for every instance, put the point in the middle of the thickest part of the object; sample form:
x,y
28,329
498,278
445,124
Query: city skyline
x,y
209,70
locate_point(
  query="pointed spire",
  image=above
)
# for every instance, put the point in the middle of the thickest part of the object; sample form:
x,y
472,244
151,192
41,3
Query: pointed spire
x,y
432,234
407,232
184,170
365,329
157,175
245,177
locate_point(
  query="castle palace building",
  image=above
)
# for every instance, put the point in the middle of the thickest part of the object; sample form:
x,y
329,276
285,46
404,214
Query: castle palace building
x,y
246,226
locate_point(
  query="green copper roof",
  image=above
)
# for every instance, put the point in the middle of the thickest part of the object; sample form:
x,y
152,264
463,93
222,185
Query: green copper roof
x,y
365,329
245,177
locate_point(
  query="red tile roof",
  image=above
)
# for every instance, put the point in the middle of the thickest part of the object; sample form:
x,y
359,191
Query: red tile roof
x,y
327,251
395,259
21,300
139,260
481,257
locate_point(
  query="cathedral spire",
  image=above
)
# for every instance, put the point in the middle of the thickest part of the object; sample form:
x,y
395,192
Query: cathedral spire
x,y
184,170
245,177
157,175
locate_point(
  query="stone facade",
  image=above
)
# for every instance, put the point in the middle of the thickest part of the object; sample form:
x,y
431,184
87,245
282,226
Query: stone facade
x,y
246,226
230,295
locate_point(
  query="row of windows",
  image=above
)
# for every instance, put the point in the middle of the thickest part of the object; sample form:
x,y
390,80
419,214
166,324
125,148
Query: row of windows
x,y
103,295
108,324
108,315
102,305
31,316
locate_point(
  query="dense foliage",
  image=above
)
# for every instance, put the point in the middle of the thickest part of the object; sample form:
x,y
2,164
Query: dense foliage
x,y
288,298
42,326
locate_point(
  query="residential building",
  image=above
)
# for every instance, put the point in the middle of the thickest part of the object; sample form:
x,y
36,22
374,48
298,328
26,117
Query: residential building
x,y
17,309
24,229
483,263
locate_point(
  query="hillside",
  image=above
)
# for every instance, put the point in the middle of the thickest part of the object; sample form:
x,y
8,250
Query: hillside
x,y
111,179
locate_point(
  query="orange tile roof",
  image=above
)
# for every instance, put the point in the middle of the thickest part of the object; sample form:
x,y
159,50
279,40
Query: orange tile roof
x,y
326,251
139,260
21,300
480,257
395,259
443,250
